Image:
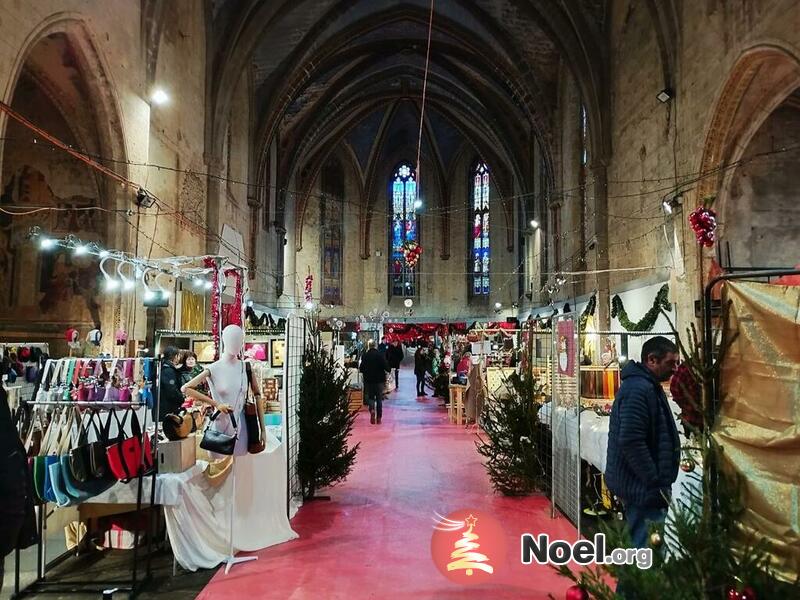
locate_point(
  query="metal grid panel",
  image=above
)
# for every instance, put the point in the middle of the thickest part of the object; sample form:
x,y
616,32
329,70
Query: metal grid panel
x,y
296,332
565,418
539,346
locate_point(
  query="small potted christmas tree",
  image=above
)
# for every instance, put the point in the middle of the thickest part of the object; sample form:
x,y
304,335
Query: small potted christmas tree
x,y
325,423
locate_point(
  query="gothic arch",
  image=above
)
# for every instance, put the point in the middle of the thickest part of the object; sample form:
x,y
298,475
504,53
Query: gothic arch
x,y
760,80
102,95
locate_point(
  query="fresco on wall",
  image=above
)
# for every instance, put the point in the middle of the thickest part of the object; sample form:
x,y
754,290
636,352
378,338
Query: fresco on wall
x,y
52,286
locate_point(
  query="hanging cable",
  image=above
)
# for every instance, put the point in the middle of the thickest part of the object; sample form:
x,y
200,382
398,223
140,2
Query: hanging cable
x,y
424,93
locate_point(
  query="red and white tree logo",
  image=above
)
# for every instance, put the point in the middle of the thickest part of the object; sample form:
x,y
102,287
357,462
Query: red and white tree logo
x,y
468,546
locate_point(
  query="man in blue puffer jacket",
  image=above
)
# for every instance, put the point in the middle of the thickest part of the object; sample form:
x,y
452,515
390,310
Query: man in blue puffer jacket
x,y
643,444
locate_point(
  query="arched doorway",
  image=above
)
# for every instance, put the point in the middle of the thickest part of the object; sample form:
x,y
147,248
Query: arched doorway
x,y
751,160
61,88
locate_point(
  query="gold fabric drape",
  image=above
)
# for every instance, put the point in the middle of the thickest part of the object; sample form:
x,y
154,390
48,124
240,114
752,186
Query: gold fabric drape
x,y
759,423
193,311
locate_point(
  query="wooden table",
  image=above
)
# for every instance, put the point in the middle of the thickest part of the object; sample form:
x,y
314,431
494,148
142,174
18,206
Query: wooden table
x,y
455,411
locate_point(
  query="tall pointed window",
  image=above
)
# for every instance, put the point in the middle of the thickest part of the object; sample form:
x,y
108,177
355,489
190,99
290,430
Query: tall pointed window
x,y
332,232
404,229
480,230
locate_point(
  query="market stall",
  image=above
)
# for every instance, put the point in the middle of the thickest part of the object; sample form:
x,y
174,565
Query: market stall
x,y
90,425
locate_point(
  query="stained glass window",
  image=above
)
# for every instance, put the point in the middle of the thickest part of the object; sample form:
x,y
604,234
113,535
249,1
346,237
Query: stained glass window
x,y
332,233
404,229
480,231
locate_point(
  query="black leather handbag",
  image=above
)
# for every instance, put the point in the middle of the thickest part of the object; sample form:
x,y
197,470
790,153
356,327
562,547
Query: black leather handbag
x,y
217,441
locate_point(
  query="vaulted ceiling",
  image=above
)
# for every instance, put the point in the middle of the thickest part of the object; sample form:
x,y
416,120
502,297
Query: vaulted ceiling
x,y
325,72
347,77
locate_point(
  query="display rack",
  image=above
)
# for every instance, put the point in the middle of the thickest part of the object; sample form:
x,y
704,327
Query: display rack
x,y
84,586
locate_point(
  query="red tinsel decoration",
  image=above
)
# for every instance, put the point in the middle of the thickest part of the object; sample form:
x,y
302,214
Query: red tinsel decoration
x,y
704,224
210,263
307,295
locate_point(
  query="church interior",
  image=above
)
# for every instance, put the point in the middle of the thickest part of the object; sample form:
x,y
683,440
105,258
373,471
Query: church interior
x,y
524,196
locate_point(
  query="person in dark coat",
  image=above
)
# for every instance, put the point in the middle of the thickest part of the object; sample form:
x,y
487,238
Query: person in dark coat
x,y
394,356
420,368
171,399
18,528
643,443
374,369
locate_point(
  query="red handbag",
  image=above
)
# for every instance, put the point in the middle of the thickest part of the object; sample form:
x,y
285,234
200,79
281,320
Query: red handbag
x,y
125,458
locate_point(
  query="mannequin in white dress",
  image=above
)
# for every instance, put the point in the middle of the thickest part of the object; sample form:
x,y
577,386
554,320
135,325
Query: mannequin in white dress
x,y
227,380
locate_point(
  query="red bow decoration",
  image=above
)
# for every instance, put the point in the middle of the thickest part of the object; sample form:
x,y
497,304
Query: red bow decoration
x,y
704,223
412,252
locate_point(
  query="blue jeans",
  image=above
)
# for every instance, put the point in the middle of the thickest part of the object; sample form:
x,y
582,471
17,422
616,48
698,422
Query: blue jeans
x,y
638,520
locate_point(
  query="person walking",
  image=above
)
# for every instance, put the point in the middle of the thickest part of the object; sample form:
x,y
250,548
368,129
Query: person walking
x,y
643,443
374,368
394,356
420,368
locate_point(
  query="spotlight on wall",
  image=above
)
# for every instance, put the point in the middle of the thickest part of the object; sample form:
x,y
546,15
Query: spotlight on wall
x,y
198,283
80,249
534,223
46,243
159,96
144,198
417,203
498,305
309,305
664,95
670,205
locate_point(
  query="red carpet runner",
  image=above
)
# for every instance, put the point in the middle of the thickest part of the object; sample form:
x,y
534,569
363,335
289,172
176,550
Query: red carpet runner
x,y
373,539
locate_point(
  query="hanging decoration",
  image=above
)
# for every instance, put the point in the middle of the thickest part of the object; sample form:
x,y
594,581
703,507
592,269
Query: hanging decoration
x,y
309,286
745,594
591,306
210,262
649,320
704,224
411,252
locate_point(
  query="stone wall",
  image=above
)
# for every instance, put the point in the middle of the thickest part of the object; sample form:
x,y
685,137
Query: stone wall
x,y
105,108
655,145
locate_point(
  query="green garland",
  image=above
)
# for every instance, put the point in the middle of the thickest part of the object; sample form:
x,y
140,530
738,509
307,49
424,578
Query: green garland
x,y
649,319
588,312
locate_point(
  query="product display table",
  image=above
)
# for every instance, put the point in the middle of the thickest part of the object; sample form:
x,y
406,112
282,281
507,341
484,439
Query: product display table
x,y
593,431
197,514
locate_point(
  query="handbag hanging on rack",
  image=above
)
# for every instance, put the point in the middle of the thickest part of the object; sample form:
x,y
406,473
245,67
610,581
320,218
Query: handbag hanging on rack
x,y
133,456
218,441
255,443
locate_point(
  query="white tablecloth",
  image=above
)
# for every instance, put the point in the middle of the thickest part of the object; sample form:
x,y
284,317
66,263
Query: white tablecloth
x,y
593,431
198,515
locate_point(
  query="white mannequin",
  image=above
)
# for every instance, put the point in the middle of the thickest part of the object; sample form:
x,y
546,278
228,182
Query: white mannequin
x,y
227,379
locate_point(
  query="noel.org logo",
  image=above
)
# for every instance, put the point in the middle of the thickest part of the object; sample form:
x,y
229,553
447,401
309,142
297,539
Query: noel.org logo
x,y
468,546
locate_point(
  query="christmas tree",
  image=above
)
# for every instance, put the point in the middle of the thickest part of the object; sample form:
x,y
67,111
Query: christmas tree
x,y
325,423
509,440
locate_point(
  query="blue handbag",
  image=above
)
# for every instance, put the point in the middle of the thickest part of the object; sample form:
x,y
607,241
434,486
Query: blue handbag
x,y
57,483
